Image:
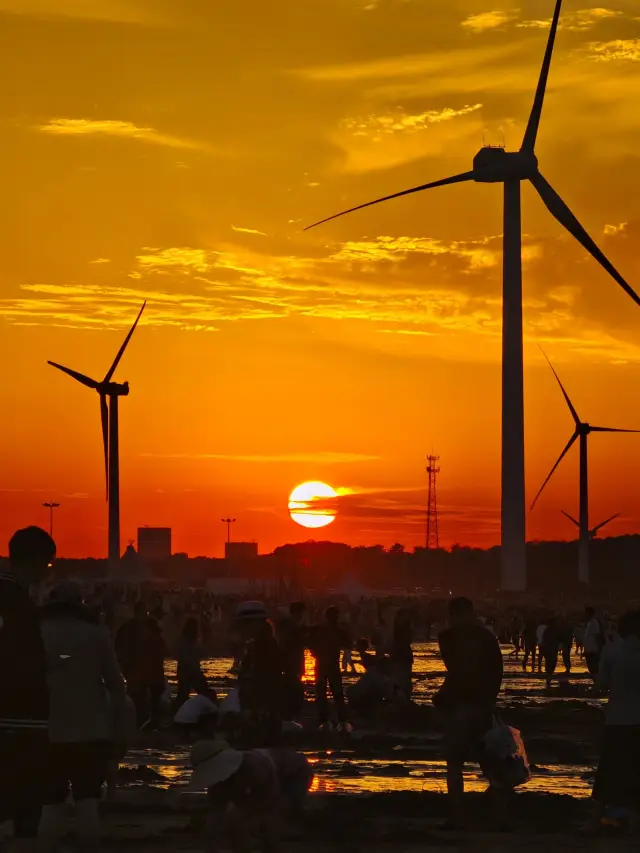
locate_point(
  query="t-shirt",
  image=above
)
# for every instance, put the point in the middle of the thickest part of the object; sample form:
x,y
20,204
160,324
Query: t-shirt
x,y
474,665
592,637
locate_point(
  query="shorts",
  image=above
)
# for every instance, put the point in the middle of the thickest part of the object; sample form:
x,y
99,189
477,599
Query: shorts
x,y
79,767
22,759
464,728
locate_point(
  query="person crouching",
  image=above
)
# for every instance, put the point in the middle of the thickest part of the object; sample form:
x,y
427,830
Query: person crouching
x,y
250,792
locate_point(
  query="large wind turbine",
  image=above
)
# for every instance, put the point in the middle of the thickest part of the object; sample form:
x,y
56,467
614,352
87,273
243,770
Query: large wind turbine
x,y
109,391
511,168
593,533
582,431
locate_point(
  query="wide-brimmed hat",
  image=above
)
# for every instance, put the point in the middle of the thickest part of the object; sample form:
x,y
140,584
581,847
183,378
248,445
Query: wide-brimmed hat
x,y
213,761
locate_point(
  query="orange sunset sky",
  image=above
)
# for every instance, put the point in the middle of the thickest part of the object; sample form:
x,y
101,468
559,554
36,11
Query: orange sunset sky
x,y
173,151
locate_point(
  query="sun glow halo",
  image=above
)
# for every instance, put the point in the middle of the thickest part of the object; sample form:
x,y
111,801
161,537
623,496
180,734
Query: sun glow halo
x,y
312,504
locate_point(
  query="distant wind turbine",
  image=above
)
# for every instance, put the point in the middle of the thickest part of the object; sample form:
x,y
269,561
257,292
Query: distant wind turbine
x,y
110,391
593,533
511,168
582,431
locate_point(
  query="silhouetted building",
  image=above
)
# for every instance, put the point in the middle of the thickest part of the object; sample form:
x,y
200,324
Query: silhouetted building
x,y
154,544
240,552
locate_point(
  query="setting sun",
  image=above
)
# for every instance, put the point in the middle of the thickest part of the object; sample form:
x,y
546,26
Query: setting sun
x,y
312,504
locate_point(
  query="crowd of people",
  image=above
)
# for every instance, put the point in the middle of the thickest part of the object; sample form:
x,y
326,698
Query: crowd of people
x,y
84,674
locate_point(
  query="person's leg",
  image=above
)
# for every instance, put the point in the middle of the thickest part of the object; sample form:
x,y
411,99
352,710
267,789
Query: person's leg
x,y
455,790
566,657
322,706
335,683
87,775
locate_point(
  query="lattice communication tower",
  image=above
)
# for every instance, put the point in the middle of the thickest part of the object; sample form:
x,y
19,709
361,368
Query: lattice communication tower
x,y
433,469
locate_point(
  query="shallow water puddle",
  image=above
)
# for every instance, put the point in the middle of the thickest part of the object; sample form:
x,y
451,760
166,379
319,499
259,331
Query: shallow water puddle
x,y
368,776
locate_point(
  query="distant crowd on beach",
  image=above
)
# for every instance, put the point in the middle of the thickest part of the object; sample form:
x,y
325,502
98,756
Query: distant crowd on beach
x,y
84,672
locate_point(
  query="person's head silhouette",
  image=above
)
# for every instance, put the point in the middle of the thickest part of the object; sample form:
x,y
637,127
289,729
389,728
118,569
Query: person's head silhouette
x,y
31,552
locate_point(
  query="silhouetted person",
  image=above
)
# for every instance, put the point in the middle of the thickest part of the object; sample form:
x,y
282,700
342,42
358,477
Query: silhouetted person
x,y
617,780
565,639
467,698
189,669
260,683
24,698
530,643
293,637
593,641
141,650
402,653
327,643
87,723
549,648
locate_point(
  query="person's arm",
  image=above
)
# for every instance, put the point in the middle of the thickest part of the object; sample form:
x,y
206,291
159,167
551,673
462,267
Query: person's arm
x,y
605,671
114,682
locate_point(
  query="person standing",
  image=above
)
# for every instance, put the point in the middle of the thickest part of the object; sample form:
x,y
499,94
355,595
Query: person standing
x,y
140,651
467,699
87,716
327,643
189,657
293,639
402,654
593,641
617,779
549,648
24,698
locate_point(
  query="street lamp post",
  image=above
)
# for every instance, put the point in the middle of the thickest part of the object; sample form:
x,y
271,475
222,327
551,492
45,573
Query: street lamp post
x,y
51,505
228,522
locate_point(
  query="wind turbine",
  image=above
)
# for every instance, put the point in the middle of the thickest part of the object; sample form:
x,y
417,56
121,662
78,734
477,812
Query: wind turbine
x,y
582,431
593,533
510,168
109,391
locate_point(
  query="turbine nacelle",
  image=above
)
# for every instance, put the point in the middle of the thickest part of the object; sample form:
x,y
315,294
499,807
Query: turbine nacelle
x,y
494,165
113,389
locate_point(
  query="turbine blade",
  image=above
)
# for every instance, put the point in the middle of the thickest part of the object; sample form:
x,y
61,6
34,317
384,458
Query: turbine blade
x,y
611,429
79,377
559,209
571,518
456,179
531,133
559,460
104,417
562,388
604,523
116,361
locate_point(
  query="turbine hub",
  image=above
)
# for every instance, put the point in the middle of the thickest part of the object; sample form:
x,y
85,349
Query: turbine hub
x,y
114,389
493,165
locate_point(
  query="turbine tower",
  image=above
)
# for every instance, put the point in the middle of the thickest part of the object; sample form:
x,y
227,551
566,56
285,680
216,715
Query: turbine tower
x,y
593,533
511,168
582,431
109,391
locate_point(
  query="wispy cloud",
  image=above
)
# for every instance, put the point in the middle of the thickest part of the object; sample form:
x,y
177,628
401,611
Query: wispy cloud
x,y
583,19
618,50
322,457
119,129
116,11
247,230
489,20
401,122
